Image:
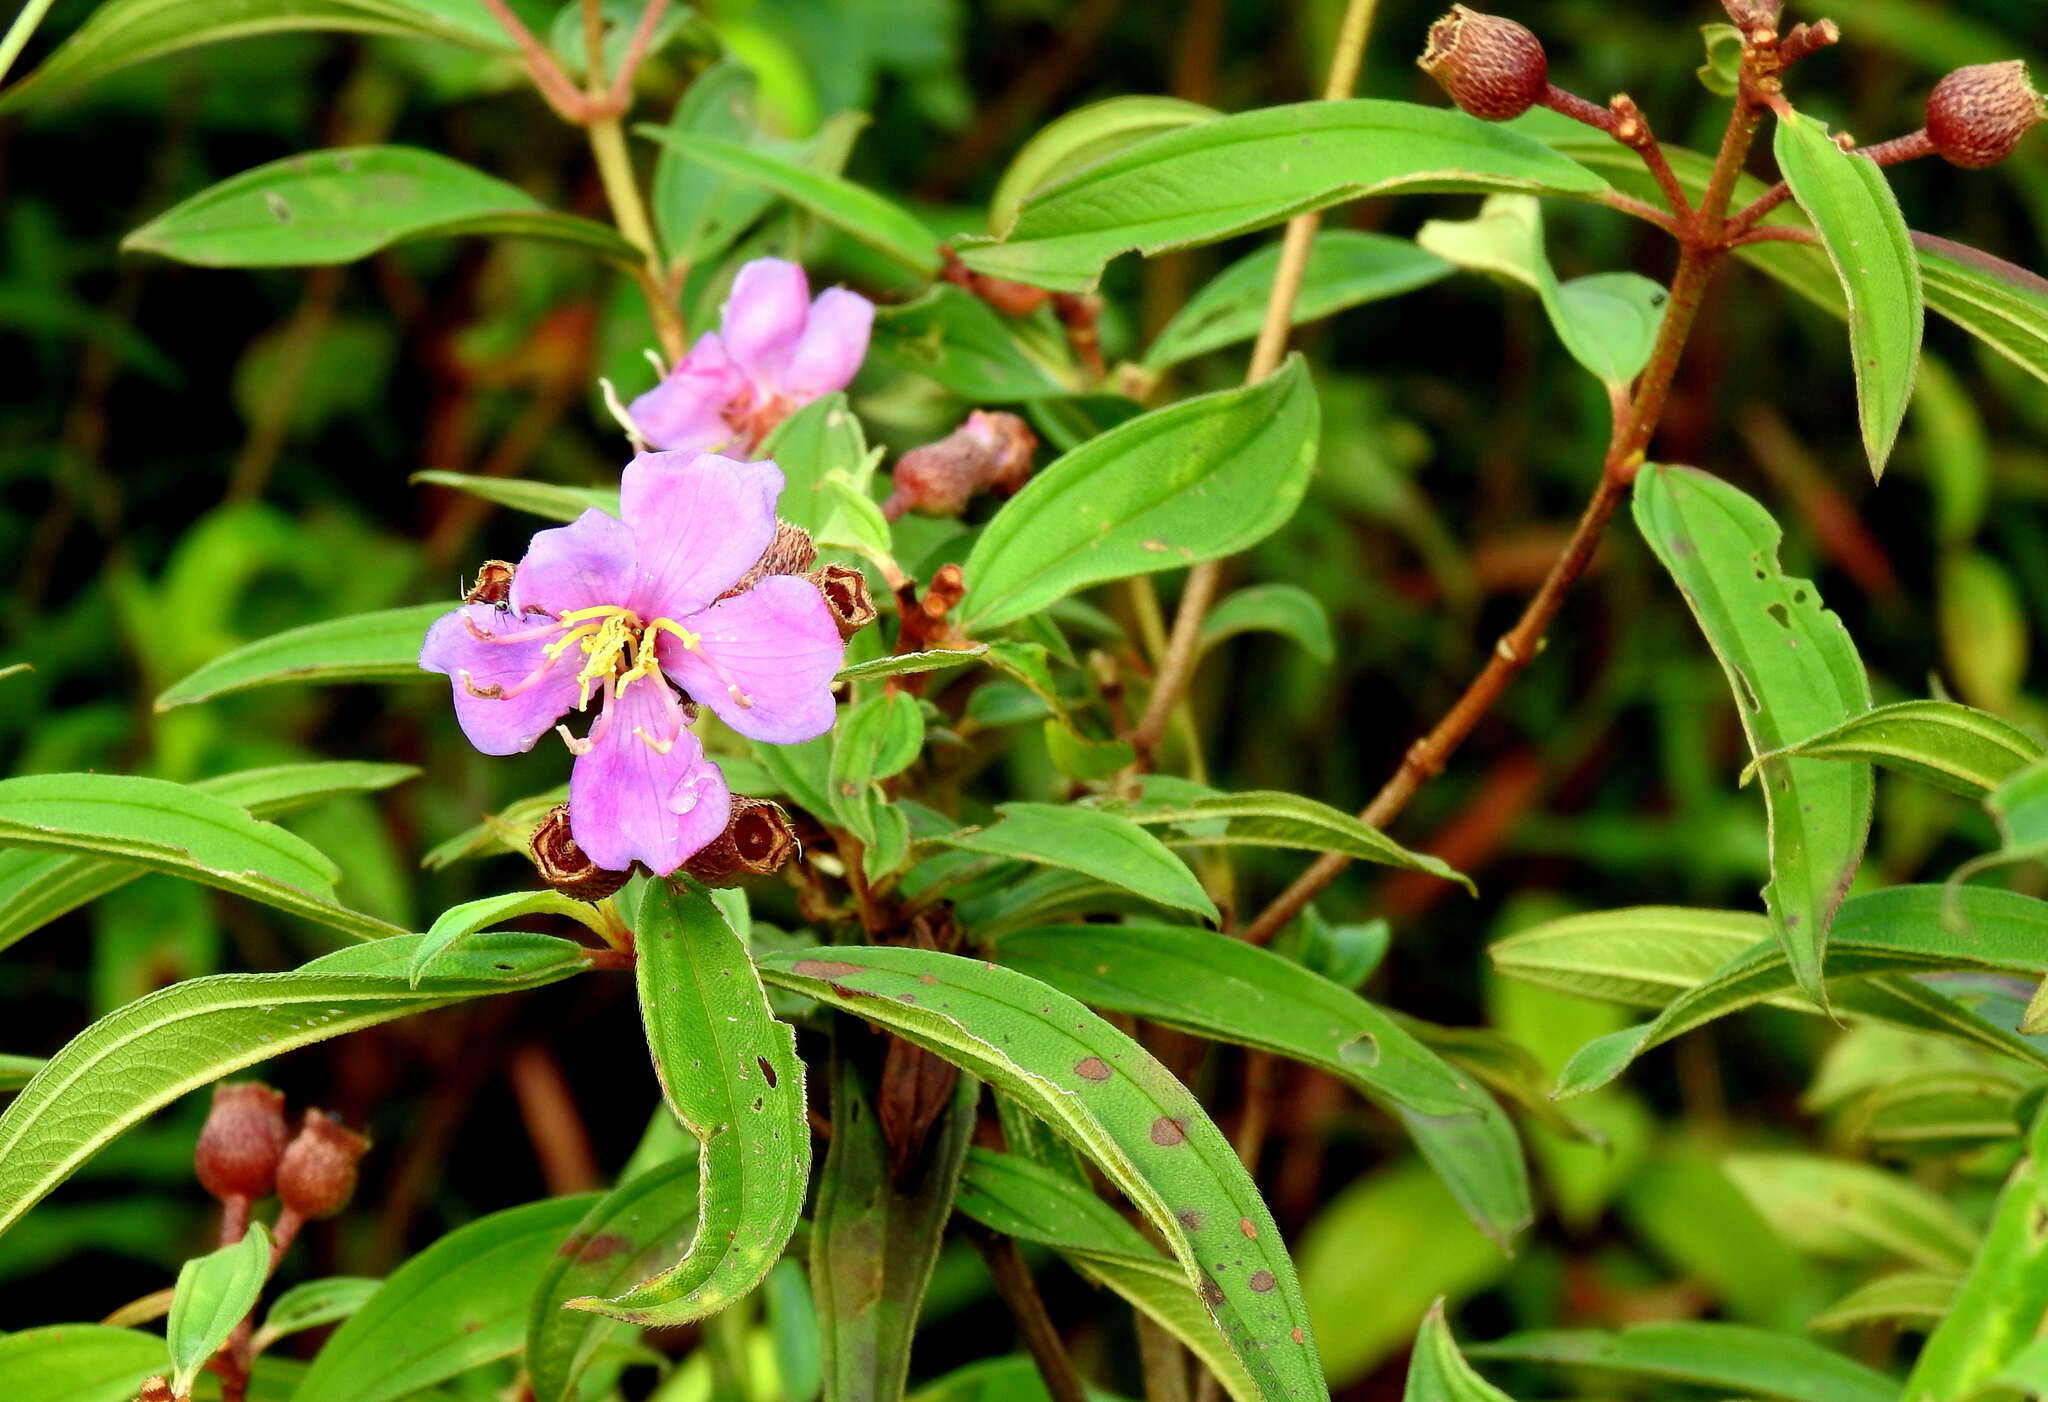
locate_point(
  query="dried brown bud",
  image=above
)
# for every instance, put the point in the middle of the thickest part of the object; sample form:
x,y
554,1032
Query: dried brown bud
x,y
846,594
757,840
156,1388
493,583
317,1175
1977,116
991,450
1012,443
1009,298
244,1136
790,552
567,867
1490,66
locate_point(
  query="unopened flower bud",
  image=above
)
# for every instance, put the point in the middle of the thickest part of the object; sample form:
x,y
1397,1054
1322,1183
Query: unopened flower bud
x,y
244,1136
757,841
989,450
317,1175
1977,116
846,594
1490,66
790,552
565,866
493,583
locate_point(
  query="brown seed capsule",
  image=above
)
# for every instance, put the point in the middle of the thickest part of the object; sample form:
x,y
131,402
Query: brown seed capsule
x,y
1977,116
846,594
757,841
1490,66
317,1175
493,583
244,1136
567,867
790,552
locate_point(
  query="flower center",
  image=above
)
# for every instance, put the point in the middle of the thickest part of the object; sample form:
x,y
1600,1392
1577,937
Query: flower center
x,y
614,643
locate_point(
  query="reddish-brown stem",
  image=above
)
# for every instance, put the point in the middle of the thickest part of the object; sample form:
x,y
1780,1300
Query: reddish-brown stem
x,y
1578,108
555,86
1013,1282
1641,209
234,1219
1632,129
618,959
1910,147
1774,233
1806,39
620,95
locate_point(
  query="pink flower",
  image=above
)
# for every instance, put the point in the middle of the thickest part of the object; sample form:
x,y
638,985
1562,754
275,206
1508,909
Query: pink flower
x,y
621,611
775,351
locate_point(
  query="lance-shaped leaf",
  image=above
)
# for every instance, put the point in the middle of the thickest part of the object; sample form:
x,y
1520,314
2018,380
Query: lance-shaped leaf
x,y
173,828
1728,1358
1942,1111
341,205
37,887
1917,1298
1104,845
1271,818
366,647
1794,673
2002,304
875,1241
126,32
142,1056
2019,808
1144,1129
1437,1372
1944,743
1031,1202
730,1073
214,1293
1838,1209
1079,139
1231,991
459,922
1196,480
78,1363
18,1071
625,1236
312,1303
551,500
905,663
1229,176
460,1303
1852,205
1286,609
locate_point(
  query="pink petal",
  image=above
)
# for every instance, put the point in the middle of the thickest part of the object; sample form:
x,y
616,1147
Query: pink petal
x,y
764,318
834,343
630,802
701,522
498,725
587,562
778,645
686,411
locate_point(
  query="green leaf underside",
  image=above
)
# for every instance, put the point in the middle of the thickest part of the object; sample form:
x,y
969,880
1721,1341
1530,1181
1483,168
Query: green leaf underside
x,y
126,32
1118,1105
1839,1207
1286,609
459,922
1271,818
1730,1358
146,1054
1901,1296
38,887
341,205
1230,991
366,647
1944,743
173,828
1196,480
1437,1372
904,663
315,1302
460,1303
1346,268
1009,1193
1229,176
1794,672
2000,303
1094,842
1860,224
729,1071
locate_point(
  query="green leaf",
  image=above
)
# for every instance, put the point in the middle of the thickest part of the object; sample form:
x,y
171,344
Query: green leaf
x,y
821,450
1118,1105
1941,1111
343,205
879,223
699,211
618,1241
172,828
77,1363
1852,205
1999,1306
1144,497
874,1241
1230,991
1345,268
1643,956
1010,1194
730,1073
126,32
550,500
142,1056
214,1293
875,739
459,922
1078,139
1951,746
905,663
1096,843
2002,304
1608,322
1984,628
18,1071
312,1303
1235,174
1843,1210
365,647
1909,1297
507,830
460,1303
1286,609
1274,819
960,343
1794,673
1437,1372
37,887
1729,1358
